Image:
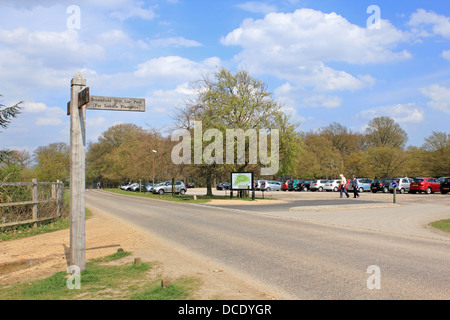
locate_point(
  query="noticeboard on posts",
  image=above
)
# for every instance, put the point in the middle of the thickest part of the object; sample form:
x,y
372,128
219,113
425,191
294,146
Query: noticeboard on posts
x,y
241,180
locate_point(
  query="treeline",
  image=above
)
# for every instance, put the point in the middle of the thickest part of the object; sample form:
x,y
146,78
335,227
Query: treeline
x,y
127,152
238,101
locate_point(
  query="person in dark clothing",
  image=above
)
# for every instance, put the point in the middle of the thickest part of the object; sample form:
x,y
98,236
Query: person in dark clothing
x,y
355,187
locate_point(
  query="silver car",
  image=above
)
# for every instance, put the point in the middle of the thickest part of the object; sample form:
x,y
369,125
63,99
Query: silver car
x,y
269,185
166,187
402,185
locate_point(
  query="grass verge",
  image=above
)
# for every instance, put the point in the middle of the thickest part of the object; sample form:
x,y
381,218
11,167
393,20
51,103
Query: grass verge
x,y
186,198
106,278
443,225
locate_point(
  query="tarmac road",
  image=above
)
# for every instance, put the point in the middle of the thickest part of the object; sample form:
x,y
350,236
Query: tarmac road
x,y
303,254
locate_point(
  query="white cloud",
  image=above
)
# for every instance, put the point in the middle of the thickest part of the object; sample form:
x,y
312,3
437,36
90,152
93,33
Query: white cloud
x,y
440,25
292,96
176,42
446,55
50,48
46,116
296,46
164,101
401,113
440,97
133,12
174,68
257,7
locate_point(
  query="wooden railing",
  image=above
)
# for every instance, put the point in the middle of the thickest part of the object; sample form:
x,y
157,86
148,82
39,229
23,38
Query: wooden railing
x,y
30,202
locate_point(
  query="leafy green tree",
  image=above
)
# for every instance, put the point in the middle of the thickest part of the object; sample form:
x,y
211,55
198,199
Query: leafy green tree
x,y
8,113
238,101
328,158
53,162
385,132
437,146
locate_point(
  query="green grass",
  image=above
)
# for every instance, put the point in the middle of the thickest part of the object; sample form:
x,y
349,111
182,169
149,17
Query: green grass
x,y
443,225
103,280
186,198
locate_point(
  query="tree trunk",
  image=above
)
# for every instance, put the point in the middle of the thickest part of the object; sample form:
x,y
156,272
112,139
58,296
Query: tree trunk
x,y
208,182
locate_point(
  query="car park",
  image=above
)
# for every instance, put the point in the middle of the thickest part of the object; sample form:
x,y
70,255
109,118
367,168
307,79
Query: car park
x,y
292,185
124,186
425,184
380,185
270,185
135,187
317,185
302,185
332,185
364,184
166,187
223,186
402,185
445,186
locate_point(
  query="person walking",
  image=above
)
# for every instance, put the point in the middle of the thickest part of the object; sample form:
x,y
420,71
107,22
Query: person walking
x,y
355,187
343,186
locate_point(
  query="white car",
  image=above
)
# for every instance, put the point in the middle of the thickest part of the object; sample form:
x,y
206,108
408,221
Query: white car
x,y
402,185
317,185
332,185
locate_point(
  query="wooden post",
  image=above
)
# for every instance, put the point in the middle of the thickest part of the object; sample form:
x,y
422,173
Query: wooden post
x,y
77,175
35,199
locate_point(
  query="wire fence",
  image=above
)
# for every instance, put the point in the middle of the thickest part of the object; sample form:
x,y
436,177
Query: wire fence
x,y
30,202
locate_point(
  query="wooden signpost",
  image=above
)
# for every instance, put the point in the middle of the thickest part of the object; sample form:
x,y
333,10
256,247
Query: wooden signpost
x,y
80,100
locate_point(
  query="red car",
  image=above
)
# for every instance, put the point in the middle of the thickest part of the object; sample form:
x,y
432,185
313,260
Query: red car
x,y
428,185
284,185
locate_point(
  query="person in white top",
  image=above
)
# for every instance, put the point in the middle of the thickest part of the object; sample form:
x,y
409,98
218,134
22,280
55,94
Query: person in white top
x,y
343,186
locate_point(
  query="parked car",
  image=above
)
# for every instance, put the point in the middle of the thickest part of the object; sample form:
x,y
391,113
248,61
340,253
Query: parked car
x,y
166,187
317,185
364,184
427,185
284,185
302,185
445,186
307,185
135,187
292,185
258,183
223,186
131,187
332,185
380,185
402,185
191,185
271,185
124,186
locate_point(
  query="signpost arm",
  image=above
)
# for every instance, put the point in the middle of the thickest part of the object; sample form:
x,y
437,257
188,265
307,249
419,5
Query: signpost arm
x,y
77,175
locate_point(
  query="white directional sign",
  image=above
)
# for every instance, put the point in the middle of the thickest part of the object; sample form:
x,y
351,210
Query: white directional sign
x,y
116,104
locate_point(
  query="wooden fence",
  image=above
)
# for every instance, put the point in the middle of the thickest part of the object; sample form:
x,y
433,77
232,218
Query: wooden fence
x,y
30,202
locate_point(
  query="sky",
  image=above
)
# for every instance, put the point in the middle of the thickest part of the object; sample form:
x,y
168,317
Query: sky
x,y
344,61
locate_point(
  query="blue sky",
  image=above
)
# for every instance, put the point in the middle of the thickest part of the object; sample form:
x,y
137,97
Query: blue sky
x,y
325,61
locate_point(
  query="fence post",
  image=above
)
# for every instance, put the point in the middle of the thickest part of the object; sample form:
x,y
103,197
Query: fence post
x,y
34,195
57,190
